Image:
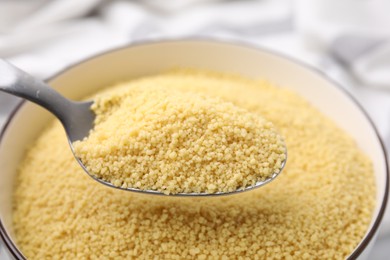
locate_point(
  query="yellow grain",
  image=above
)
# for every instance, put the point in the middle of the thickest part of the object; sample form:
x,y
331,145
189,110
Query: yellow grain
x,y
318,208
200,144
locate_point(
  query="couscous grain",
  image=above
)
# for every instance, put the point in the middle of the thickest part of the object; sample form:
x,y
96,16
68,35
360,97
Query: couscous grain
x,y
318,208
178,142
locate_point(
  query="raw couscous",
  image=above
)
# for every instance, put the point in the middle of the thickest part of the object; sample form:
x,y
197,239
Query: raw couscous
x,y
154,138
318,208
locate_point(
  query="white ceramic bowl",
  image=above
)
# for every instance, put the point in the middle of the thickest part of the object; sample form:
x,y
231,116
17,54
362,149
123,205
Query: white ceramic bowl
x,y
27,121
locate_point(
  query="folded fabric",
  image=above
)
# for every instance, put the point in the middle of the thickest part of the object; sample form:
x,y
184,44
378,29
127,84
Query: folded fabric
x,y
354,32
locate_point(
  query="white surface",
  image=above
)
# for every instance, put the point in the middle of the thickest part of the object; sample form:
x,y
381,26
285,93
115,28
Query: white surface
x,y
323,22
4,255
318,22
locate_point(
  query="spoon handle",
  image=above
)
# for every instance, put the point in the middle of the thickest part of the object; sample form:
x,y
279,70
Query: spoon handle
x,y
19,83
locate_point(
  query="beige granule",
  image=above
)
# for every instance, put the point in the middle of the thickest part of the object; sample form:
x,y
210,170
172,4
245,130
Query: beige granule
x,y
178,142
318,208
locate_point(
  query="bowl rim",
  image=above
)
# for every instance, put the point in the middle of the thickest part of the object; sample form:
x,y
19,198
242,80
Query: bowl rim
x,y
17,254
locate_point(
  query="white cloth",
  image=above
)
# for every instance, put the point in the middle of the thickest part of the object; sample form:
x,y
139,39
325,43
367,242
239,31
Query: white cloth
x,y
54,36
43,37
359,28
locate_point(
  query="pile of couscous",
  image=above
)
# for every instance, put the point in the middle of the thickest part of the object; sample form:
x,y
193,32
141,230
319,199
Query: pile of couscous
x,y
318,208
167,140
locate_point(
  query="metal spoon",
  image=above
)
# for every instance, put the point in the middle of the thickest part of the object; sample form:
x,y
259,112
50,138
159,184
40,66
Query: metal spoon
x,y
77,118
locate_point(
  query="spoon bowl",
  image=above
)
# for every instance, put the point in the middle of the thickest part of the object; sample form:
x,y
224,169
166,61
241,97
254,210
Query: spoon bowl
x,y
78,118
258,184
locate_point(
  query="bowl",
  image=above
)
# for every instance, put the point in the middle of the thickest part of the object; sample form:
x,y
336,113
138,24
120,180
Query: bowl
x,y
86,77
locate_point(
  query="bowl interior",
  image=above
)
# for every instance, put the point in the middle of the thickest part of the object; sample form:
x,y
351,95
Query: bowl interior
x,y
119,65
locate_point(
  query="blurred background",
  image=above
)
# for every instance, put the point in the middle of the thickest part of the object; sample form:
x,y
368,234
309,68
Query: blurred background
x,y
349,40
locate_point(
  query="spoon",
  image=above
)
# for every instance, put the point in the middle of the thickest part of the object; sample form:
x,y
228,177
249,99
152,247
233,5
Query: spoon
x,y
78,119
